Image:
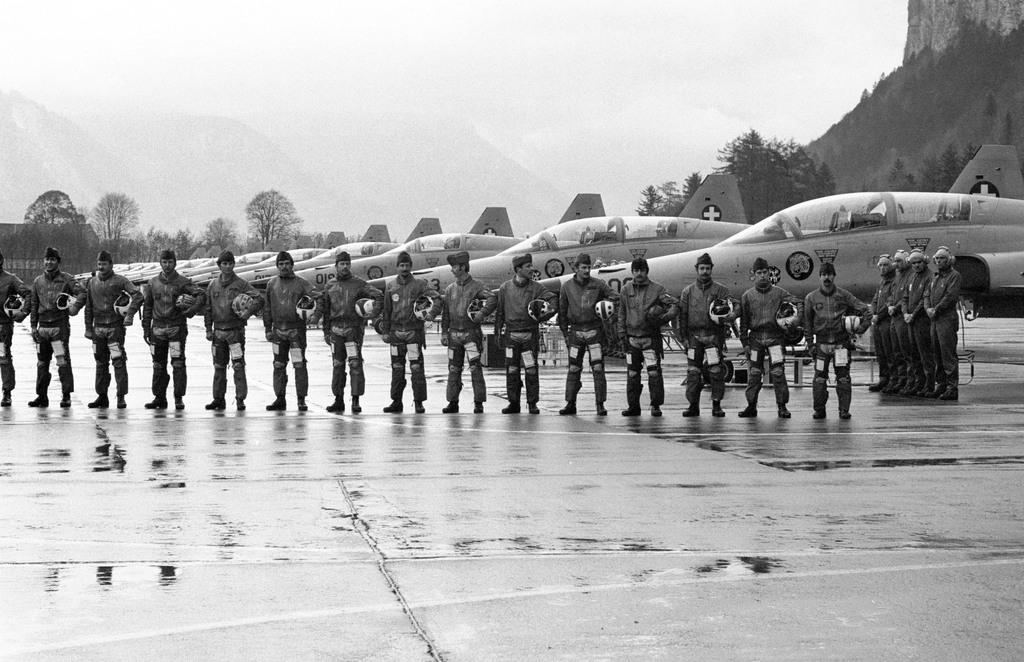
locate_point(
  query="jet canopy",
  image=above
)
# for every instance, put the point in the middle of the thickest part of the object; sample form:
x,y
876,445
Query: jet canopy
x,y
599,230
853,212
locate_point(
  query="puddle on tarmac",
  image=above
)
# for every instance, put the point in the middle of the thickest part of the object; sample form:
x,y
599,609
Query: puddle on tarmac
x,y
759,565
890,463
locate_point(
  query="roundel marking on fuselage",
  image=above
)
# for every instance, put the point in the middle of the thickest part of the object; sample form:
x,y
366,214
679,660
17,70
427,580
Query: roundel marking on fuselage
x,y
375,272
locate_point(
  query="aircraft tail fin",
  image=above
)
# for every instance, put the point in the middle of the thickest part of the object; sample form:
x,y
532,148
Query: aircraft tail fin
x,y
494,221
378,232
584,205
993,170
425,228
716,199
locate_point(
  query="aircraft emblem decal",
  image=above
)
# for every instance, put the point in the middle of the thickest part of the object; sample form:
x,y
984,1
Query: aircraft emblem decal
x,y
535,274
432,262
638,253
827,254
374,272
918,242
800,266
985,188
490,231
554,268
774,275
711,213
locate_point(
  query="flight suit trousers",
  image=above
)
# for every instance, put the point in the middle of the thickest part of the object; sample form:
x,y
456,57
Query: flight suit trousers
x,y
578,344
838,356
704,349
6,363
347,348
921,333
903,348
463,345
881,336
168,343
759,353
290,345
406,345
521,351
947,367
53,344
229,345
108,349
641,351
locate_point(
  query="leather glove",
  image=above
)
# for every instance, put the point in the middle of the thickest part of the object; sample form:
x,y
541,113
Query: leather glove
x,y
35,334
327,339
209,335
746,352
89,335
501,341
129,320
444,339
269,335
147,335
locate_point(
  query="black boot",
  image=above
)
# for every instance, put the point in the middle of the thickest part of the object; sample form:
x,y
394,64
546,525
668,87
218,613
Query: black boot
x,y
420,409
512,408
478,407
337,407
40,401
302,404
6,400
355,405
157,403
121,404
451,408
749,412
65,401
692,410
716,409
179,403
395,407
217,404
568,410
101,402
277,405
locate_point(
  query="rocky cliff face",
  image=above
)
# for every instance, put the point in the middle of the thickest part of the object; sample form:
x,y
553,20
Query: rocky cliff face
x,y
934,23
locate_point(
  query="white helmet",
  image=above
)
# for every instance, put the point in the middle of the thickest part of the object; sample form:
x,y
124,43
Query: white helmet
x,y
14,304
63,301
605,309
304,307
366,308
123,303
185,301
851,323
540,310
719,310
475,310
242,304
422,307
787,316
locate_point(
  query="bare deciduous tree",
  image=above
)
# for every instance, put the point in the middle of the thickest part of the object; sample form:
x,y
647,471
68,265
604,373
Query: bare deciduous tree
x,y
271,216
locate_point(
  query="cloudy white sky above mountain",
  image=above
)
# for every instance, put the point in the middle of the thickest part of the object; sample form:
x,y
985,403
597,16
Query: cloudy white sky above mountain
x,y
596,95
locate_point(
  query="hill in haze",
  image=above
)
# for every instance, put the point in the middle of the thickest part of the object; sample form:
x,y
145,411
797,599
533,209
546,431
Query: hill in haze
x,y
960,86
341,174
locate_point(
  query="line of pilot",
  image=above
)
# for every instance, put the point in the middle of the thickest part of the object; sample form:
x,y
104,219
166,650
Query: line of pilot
x,y
913,316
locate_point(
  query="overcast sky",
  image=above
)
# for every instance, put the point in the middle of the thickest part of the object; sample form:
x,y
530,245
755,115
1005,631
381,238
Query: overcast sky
x,y
597,95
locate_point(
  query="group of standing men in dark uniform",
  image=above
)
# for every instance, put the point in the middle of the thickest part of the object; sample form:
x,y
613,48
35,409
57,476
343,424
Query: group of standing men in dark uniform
x,y
915,325
913,315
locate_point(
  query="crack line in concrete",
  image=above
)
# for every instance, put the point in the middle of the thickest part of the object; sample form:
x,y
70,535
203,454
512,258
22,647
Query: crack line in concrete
x,y
364,532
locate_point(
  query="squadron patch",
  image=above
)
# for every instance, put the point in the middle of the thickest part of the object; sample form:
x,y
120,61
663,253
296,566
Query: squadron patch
x,y
774,275
799,265
918,242
396,297
554,268
827,254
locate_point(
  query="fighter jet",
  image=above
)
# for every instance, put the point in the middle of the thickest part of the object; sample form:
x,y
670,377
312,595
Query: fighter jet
x,y
607,239
491,233
984,232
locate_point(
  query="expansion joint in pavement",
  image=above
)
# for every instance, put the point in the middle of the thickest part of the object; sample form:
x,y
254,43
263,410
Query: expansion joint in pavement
x,y
364,532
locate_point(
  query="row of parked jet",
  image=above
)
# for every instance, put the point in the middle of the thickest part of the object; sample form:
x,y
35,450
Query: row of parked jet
x,y
981,220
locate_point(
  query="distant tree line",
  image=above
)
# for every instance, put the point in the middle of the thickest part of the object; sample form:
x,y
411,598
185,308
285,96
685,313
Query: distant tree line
x,y
271,219
771,175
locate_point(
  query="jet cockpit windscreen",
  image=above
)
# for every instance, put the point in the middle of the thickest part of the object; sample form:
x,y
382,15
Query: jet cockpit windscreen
x,y
855,211
572,234
437,242
639,228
